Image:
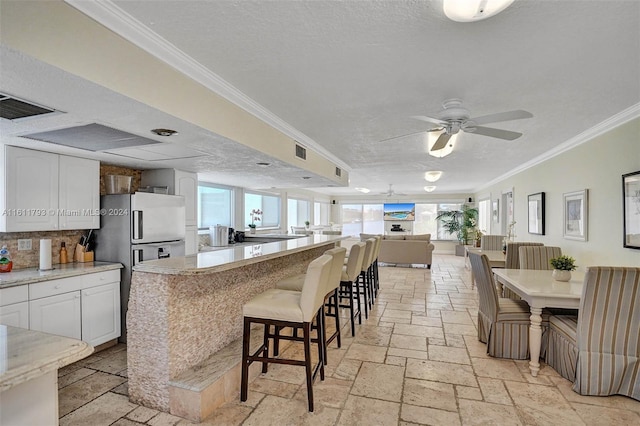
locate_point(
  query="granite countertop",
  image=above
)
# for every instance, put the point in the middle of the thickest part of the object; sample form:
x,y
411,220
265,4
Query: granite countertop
x,y
233,257
28,354
34,275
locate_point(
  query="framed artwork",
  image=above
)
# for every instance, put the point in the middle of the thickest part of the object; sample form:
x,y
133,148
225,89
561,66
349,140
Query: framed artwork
x,y
495,210
576,215
631,209
536,213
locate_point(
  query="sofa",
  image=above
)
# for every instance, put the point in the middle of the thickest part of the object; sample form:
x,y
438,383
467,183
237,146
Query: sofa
x,y
406,249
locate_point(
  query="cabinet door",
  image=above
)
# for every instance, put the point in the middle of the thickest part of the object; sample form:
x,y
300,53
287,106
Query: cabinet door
x,y
57,314
101,313
16,315
79,193
31,190
187,186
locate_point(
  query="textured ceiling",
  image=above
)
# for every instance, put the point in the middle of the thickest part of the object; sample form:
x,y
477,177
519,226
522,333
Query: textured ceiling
x,y
351,74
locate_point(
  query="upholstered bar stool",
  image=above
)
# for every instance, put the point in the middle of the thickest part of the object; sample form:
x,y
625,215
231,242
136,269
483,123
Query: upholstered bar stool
x,y
350,273
362,282
375,276
284,308
296,282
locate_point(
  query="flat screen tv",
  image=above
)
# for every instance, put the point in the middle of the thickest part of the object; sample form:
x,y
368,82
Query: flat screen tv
x,y
399,212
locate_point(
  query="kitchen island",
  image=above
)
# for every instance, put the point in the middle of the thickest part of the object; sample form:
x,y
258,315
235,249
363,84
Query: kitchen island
x,y
184,310
29,363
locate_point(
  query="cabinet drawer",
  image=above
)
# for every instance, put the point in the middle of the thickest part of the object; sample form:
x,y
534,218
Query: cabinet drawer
x,y
53,287
12,295
100,278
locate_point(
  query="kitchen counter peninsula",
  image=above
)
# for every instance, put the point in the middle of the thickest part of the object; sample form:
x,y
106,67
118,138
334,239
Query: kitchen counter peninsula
x,y
184,310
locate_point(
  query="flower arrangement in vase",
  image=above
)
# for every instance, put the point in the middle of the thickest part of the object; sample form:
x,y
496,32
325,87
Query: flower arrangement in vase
x,y
255,217
562,267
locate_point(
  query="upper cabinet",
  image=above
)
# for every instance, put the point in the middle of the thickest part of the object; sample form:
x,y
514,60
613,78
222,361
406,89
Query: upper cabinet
x,y
178,183
48,192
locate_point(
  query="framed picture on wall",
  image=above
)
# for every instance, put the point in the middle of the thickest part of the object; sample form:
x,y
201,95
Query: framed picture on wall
x,y
536,213
631,209
576,215
495,210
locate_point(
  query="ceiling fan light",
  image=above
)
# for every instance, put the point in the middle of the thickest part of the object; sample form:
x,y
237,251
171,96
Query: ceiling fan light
x,y
363,190
432,176
429,188
473,10
432,137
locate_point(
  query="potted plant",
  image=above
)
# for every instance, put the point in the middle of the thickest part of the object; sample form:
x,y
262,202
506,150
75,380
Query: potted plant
x,y
562,267
255,217
459,222
306,224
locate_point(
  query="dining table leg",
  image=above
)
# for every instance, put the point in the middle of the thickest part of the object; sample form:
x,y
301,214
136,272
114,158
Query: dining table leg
x,y
535,340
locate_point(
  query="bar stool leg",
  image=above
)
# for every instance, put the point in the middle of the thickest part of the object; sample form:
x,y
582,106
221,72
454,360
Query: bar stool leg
x,y
265,351
246,338
336,310
306,331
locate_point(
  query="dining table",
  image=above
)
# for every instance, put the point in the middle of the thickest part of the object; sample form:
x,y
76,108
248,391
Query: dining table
x,y
540,290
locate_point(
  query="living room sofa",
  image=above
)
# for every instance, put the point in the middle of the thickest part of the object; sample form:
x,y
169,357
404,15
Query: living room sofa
x,y
405,249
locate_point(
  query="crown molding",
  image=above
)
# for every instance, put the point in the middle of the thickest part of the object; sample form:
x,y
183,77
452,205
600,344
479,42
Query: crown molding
x,y
117,20
607,125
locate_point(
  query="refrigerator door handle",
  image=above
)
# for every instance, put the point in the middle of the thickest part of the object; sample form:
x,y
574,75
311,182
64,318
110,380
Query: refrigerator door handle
x,y
137,257
137,225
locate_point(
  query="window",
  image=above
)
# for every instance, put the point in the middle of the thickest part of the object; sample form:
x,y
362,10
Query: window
x,y
214,205
270,206
320,213
297,212
362,218
484,216
426,222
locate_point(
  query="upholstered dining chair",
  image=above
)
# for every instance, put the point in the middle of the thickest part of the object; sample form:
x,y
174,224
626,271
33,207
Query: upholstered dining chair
x,y
285,308
537,257
512,261
599,350
491,242
503,324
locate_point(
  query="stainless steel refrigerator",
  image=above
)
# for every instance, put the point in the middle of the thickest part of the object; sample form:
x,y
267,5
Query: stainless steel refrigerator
x,y
138,227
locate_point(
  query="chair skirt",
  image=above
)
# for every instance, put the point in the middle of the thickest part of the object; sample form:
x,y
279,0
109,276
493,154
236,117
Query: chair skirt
x,y
505,339
562,351
602,374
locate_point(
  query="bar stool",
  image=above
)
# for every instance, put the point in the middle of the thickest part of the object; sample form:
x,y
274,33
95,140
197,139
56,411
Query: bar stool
x,y
374,267
350,273
283,308
296,282
362,282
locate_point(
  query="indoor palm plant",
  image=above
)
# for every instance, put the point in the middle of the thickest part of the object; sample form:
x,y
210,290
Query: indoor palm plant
x,y
562,267
459,222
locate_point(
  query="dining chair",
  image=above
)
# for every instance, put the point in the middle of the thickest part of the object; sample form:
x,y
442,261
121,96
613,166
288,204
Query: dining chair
x,y
512,261
599,350
537,257
502,323
491,242
284,308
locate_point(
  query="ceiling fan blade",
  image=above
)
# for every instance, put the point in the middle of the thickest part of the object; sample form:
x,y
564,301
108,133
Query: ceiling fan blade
x,y
494,133
430,120
404,136
441,142
502,116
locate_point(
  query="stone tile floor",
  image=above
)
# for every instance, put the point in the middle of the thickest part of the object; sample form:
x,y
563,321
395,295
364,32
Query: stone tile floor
x,y
415,361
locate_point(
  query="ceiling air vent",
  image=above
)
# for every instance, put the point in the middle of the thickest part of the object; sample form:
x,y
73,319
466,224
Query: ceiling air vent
x,y
301,152
14,109
338,172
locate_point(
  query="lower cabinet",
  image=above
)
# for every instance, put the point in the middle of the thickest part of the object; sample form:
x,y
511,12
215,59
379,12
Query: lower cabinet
x,y
15,315
101,313
59,314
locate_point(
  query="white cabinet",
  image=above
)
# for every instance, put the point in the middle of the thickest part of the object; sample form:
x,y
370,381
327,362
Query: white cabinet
x,y
58,315
101,307
182,183
14,306
46,192
79,193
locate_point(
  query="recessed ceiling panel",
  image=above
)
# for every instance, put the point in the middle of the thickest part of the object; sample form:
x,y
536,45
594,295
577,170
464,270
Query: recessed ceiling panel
x,y
92,137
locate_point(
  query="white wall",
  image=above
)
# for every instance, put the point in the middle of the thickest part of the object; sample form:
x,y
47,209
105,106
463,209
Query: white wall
x,y
597,165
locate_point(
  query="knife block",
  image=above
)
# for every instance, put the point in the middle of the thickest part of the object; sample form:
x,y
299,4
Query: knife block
x,y
82,256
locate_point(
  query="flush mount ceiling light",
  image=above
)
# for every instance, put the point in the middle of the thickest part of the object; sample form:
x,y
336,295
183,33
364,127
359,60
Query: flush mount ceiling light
x,y
163,132
429,188
432,137
432,176
363,190
473,10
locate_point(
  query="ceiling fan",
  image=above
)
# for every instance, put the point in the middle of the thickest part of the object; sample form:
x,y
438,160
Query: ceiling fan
x,y
391,192
454,118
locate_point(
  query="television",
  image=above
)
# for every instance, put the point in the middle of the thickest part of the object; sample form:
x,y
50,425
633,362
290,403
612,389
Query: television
x,y
399,212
